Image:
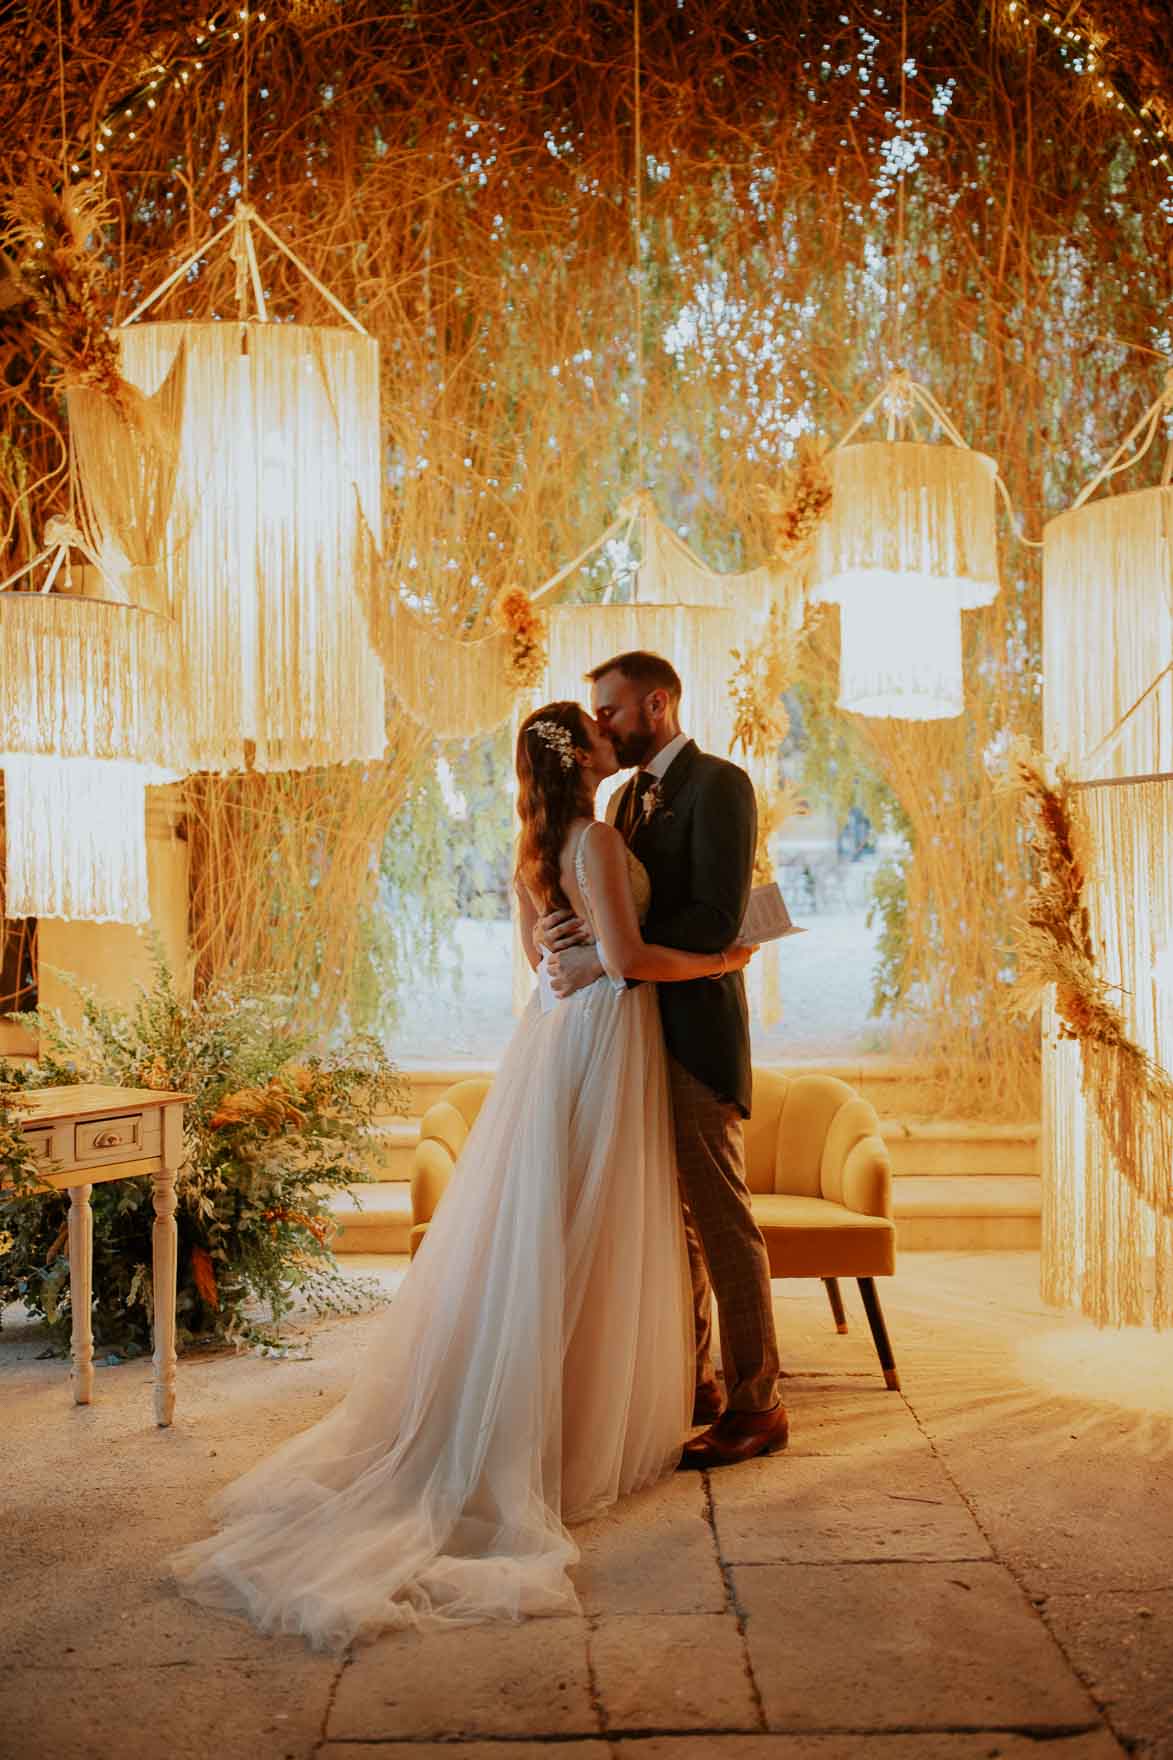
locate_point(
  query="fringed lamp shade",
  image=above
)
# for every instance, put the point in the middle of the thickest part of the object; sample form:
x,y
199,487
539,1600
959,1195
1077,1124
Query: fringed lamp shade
x,y
1107,633
1108,712
276,492
908,544
87,720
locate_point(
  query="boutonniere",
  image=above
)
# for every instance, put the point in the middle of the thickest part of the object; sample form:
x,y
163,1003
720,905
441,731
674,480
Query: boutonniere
x,y
651,802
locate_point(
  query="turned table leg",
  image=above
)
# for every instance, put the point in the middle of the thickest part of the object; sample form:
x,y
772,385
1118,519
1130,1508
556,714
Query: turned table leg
x,y
164,1265
81,1291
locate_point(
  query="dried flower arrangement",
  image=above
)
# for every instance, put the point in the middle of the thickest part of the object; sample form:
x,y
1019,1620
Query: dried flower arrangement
x,y
57,280
526,630
1131,1094
795,509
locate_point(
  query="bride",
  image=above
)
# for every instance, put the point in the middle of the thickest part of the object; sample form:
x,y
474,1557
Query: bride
x,y
537,1361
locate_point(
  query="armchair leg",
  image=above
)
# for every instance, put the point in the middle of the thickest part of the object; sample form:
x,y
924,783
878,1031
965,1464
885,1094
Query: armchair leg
x,y
871,1302
836,1300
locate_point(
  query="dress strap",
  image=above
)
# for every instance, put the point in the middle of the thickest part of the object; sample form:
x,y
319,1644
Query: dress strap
x,y
580,874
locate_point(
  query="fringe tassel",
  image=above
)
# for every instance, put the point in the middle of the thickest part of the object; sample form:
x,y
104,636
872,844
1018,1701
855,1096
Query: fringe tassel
x,y
88,678
1107,630
279,466
671,575
126,472
75,839
1108,1156
901,507
455,689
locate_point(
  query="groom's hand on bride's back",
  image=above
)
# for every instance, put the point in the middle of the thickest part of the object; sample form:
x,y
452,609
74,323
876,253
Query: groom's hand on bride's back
x,y
571,960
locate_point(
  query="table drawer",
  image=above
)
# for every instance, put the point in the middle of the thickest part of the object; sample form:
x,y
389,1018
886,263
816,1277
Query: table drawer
x,y
40,1143
126,1138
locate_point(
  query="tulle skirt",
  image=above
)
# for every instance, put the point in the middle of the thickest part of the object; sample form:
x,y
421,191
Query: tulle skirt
x,y
535,1365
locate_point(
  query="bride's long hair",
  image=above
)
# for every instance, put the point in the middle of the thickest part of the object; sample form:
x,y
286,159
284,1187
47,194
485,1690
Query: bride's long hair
x,y
551,793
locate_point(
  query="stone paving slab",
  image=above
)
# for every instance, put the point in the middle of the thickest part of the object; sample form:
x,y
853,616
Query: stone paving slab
x,y
679,1672
1056,1483
530,1679
588,1748
832,1509
888,1646
653,1553
255,1710
104,1616
1121,1645
908,1745
860,1416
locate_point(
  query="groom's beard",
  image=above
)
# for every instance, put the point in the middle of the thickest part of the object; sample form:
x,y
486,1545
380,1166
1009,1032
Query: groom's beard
x,y
634,748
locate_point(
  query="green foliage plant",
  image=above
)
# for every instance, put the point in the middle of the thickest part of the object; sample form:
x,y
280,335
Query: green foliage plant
x,y
272,1132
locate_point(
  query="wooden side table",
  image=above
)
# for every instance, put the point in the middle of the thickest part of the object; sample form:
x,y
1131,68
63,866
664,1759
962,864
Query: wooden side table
x,y
91,1134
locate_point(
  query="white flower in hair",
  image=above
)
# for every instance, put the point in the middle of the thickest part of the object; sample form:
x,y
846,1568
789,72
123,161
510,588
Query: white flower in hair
x,y
558,739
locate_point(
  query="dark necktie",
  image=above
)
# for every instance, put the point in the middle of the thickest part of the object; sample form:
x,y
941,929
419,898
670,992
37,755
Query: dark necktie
x,y
643,782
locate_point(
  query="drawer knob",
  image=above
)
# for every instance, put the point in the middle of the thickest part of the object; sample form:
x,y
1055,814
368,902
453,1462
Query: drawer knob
x,y
107,1140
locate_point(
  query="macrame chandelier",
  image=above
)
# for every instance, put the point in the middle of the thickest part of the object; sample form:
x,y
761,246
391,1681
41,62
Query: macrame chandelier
x,y
87,721
1108,714
909,543
268,533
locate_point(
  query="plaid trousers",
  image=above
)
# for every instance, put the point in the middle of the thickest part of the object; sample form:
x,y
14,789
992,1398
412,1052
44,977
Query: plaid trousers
x,y
726,1253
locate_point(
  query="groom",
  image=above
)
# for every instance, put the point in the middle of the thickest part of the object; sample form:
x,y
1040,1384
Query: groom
x,y
692,821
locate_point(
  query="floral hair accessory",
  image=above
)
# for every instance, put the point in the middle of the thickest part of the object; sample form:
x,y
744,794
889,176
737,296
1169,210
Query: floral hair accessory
x,y
558,739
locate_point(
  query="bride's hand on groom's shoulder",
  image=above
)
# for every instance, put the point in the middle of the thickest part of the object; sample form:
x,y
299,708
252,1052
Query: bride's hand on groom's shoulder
x,y
561,929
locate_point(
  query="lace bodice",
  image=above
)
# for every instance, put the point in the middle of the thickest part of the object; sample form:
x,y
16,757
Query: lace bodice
x,y
637,874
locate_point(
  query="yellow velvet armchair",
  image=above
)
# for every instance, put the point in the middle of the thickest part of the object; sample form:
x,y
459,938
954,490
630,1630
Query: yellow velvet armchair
x,y
816,1165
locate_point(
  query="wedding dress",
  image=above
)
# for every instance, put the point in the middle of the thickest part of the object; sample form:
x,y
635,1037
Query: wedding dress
x,y
535,1365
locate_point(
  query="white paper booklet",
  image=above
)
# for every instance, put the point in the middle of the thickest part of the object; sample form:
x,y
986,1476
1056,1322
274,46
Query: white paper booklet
x,y
766,917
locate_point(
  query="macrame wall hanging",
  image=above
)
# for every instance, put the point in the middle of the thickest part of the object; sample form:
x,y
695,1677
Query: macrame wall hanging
x,y
276,485
908,543
88,718
1108,712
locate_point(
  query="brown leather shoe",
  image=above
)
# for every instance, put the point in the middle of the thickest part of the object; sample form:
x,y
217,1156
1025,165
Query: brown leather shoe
x,y
708,1404
737,1436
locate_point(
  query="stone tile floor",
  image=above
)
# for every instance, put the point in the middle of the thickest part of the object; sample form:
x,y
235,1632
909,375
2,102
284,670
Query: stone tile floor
x,y
978,1567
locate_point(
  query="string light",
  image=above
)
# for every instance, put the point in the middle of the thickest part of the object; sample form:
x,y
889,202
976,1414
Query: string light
x,y
1155,138
178,72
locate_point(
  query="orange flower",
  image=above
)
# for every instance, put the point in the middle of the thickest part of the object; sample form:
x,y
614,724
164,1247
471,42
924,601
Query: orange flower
x,y
204,1273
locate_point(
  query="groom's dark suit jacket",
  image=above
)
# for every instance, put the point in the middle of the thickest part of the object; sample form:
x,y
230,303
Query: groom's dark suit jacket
x,y
698,848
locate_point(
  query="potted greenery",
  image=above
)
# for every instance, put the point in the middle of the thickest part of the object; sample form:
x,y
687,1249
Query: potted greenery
x,y
271,1133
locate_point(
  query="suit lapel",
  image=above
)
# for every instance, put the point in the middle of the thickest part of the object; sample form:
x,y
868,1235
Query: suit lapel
x,y
678,773
668,787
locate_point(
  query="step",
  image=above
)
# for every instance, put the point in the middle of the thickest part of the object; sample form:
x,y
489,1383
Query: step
x,y
967,1212
373,1218
945,1147
392,1144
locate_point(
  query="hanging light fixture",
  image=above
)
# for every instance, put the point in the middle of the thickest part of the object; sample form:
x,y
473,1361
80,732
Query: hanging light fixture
x,y
909,542
273,521
1108,716
88,720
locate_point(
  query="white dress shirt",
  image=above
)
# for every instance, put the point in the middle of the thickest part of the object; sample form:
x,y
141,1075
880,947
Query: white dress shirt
x,y
658,765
